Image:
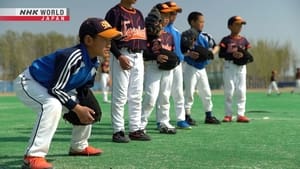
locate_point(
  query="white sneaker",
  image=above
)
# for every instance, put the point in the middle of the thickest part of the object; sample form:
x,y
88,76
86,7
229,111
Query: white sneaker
x,y
107,101
167,128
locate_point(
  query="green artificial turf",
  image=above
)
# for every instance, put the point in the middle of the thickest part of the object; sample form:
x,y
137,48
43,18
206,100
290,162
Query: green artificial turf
x,y
270,141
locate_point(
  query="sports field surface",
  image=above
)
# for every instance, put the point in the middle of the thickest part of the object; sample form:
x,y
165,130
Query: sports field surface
x,y
270,141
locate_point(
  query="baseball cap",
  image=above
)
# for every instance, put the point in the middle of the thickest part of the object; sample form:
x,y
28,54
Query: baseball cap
x,y
98,26
174,6
164,8
237,19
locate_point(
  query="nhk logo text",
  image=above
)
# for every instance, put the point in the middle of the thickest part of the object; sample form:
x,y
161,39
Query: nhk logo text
x,y
34,14
48,12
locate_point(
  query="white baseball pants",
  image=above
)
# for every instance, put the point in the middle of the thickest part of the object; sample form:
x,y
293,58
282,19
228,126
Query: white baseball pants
x,y
127,86
194,78
177,93
273,85
234,78
49,110
157,90
104,85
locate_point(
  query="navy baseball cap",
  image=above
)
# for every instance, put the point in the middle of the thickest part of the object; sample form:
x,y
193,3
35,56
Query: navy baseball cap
x,y
98,26
236,19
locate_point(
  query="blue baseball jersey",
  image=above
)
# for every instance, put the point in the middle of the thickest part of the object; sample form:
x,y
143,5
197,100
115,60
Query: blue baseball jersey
x,y
177,38
65,70
206,41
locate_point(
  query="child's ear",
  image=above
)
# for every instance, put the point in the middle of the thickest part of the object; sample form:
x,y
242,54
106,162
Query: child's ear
x,y
88,40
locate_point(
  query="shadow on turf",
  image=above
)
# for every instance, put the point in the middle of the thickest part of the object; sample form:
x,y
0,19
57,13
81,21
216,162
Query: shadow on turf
x,y
259,111
14,139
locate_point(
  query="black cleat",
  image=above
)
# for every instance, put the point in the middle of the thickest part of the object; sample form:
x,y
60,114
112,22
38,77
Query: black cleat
x,y
119,137
212,120
190,121
139,135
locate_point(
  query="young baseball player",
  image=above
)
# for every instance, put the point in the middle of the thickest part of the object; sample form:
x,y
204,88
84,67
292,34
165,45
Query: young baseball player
x,y
297,76
127,70
105,80
234,75
158,82
194,74
49,84
177,86
273,83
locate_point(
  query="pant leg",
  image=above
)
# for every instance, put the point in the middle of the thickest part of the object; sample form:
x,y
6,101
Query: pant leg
x,y
48,109
204,90
151,90
190,81
163,108
229,86
241,90
80,135
297,88
105,88
270,88
120,82
135,92
275,86
177,93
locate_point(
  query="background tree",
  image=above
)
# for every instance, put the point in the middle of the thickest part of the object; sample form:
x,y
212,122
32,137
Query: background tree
x,y
18,50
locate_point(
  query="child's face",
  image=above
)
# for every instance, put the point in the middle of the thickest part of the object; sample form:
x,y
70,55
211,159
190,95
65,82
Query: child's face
x,y
236,28
98,46
173,16
165,19
198,24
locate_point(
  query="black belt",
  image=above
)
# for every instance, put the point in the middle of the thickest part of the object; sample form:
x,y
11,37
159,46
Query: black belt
x,y
131,50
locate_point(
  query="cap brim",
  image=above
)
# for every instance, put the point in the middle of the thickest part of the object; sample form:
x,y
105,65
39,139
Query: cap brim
x,y
110,33
176,9
167,10
241,22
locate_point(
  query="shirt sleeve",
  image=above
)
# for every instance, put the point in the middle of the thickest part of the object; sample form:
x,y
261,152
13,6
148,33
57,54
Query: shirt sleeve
x,y
111,18
65,66
223,50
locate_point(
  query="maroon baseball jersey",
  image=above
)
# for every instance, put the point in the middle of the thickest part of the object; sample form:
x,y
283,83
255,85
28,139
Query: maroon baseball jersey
x,y
131,24
230,44
164,41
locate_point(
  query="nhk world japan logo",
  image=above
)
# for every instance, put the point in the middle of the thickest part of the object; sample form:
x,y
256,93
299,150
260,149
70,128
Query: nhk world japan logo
x,y
34,14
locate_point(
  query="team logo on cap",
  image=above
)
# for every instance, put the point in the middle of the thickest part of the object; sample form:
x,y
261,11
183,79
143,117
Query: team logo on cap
x,y
105,24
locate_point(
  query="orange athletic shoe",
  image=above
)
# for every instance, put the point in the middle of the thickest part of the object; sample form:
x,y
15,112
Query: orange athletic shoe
x,y
31,162
227,119
243,119
88,151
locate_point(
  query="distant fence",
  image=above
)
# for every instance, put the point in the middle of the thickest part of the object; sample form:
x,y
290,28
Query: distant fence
x,y
6,86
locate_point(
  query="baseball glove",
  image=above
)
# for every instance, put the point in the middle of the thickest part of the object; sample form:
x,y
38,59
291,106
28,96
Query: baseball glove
x,y
204,54
152,23
247,58
172,61
86,98
188,39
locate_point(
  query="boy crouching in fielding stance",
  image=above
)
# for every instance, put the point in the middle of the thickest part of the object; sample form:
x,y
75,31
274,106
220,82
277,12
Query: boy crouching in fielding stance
x,y
52,82
233,49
